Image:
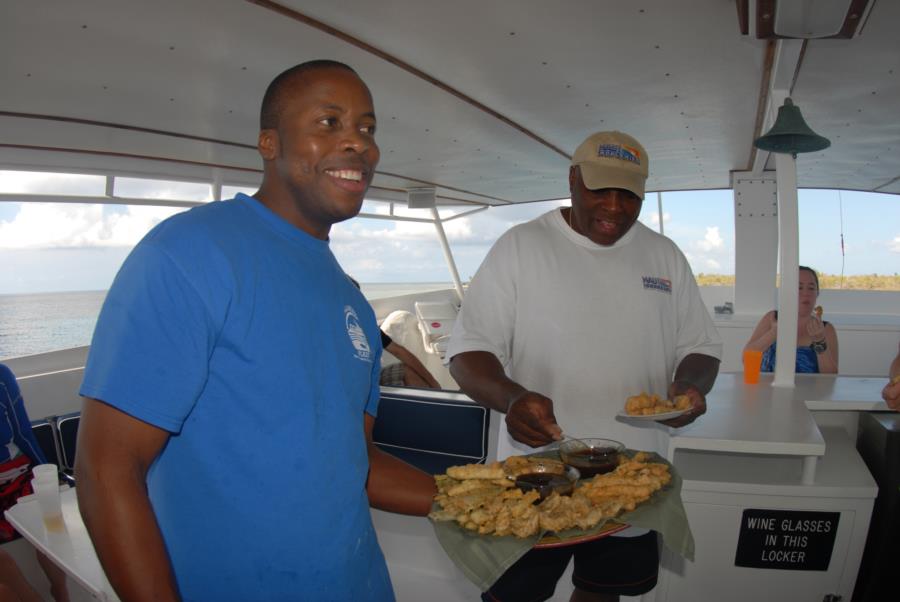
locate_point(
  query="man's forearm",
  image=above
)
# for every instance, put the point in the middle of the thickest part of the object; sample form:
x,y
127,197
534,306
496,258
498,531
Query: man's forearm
x,y
123,528
114,454
698,370
396,486
480,375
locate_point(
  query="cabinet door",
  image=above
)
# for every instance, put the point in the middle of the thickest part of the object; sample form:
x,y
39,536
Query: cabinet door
x,y
713,577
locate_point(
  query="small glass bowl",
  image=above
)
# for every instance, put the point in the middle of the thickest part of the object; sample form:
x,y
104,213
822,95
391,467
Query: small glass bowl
x,y
591,456
546,482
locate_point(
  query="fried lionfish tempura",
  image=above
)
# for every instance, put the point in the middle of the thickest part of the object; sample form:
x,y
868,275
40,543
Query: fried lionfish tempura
x,y
647,405
477,471
519,465
633,482
489,505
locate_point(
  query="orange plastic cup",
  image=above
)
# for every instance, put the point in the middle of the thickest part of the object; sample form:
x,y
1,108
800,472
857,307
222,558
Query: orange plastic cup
x,y
752,363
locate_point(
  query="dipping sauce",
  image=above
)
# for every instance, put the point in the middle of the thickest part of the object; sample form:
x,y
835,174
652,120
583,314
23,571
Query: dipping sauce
x,y
594,461
545,483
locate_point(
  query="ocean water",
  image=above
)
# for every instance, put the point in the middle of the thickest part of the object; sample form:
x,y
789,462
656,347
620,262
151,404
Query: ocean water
x,y
42,322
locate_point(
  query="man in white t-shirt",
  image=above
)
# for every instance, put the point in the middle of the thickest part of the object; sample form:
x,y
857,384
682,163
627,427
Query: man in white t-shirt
x,y
569,315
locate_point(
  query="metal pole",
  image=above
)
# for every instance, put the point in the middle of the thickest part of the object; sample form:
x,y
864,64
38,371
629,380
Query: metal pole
x,y
788,242
659,208
217,185
448,256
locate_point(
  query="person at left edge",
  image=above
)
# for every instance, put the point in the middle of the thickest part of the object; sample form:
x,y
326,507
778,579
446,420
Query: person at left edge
x,y
225,447
19,453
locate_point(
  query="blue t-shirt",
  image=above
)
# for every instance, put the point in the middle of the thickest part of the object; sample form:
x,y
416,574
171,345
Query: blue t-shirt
x,y
242,336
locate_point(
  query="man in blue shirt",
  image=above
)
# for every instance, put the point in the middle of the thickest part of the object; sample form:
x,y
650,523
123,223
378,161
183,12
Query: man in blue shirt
x,y
225,445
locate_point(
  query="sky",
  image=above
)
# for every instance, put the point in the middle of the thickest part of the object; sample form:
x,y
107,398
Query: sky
x,y
50,247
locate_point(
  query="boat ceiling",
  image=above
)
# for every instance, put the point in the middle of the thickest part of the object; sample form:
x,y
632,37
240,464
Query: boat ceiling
x,y
483,100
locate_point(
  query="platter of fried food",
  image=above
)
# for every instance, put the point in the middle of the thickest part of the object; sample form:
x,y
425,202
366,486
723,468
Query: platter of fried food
x,y
653,407
483,498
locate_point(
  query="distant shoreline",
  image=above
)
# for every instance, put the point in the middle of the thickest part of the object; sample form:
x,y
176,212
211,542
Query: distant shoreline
x,y
867,282
862,282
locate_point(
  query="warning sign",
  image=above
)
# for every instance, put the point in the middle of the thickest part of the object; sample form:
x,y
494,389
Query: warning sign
x,y
786,539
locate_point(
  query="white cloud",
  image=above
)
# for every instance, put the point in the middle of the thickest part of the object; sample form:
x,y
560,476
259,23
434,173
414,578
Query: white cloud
x,y
709,253
894,245
35,182
712,240
366,264
64,225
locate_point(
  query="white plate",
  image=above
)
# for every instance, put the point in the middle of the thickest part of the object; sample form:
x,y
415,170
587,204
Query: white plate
x,y
653,417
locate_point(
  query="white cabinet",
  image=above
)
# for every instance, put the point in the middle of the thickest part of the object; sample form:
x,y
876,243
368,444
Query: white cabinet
x,y
720,486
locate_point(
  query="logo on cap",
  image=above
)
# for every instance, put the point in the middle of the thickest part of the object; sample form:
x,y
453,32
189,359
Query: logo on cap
x,y
616,151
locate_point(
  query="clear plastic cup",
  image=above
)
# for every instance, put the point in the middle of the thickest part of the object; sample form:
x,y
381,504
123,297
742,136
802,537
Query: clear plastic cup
x,y
45,471
46,489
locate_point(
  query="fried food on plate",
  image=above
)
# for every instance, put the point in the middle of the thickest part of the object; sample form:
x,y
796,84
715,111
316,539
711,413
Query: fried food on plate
x,y
648,405
514,466
488,505
477,471
633,482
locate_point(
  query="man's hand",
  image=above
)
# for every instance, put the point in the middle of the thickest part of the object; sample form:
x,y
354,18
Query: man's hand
x,y
530,419
891,393
698,404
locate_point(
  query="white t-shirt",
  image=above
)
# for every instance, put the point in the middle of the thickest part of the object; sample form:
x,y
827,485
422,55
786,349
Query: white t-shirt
x,y
586,325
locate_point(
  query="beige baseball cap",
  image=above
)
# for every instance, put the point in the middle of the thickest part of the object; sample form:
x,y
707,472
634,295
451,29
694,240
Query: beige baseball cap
x,y
612,160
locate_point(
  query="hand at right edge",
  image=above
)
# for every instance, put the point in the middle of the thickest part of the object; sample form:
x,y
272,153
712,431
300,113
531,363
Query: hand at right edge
x,y
530,419
891,393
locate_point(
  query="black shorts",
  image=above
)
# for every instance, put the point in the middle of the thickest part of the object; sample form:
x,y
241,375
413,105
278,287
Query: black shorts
x,y
626,566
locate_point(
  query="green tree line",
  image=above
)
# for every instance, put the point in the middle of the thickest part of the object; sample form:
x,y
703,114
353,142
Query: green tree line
x,y
864,282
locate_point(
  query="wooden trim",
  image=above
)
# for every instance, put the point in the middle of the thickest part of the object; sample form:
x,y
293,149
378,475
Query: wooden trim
x,y
800,58
765,82
853,20
743,10
765,19
298,16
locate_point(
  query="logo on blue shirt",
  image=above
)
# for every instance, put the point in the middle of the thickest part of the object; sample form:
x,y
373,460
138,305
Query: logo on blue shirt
x,y
357,335
658,284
